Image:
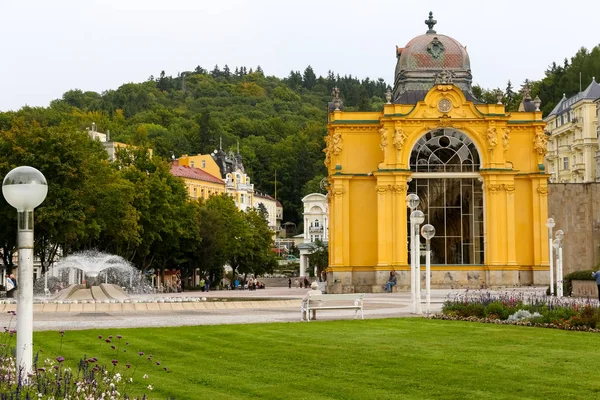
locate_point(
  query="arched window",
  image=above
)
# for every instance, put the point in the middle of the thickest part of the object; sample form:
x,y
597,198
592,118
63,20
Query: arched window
x,y
445,163
444,150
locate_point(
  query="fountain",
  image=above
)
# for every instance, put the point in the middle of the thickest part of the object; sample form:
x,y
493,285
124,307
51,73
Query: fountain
x,y
91,276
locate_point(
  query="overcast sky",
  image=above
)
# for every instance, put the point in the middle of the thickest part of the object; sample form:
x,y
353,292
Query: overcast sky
x,y
51,46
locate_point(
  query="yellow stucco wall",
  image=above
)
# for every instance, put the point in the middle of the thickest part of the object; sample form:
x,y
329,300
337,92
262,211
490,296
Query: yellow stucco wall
x,y
367,156
209,165
203,189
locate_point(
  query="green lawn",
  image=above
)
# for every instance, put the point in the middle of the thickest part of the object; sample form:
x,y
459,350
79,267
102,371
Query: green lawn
x,y
408,358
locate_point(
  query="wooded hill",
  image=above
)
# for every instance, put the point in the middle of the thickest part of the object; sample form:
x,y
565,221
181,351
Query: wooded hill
x,y
279,123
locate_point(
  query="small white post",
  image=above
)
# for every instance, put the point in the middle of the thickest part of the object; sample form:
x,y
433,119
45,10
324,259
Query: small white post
x,y
427,277
428,231
418,269
412,266
559,277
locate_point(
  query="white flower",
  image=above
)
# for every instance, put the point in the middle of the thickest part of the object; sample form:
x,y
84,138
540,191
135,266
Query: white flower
x,y
149,387
145,376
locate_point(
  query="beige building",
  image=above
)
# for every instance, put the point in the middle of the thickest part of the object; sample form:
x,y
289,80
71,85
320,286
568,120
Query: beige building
x,y
111,147
199,183
273,207
200,161
573,143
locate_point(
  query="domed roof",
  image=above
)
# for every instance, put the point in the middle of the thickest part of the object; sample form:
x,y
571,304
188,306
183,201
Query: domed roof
x,y
429,59
433,51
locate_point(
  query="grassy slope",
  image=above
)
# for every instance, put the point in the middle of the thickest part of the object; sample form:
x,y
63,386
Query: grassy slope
x,y
372,359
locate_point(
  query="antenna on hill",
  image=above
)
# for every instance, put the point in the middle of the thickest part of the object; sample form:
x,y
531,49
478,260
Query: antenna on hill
x,y
183,81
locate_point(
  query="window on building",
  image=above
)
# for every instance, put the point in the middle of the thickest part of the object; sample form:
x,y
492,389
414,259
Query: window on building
x,y
195,192
566,163
456,204
242,199
192,164
316,223
203,163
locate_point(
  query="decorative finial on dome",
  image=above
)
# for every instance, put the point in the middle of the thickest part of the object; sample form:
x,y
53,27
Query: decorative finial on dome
x,y
430,22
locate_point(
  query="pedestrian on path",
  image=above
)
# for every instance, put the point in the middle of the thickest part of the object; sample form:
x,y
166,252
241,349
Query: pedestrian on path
x,y
597,276
289,283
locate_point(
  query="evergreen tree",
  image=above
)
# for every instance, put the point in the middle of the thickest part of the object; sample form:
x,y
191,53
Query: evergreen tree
x,y
309,78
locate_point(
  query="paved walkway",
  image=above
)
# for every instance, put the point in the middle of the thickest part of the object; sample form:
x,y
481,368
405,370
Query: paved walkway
x,y
239,307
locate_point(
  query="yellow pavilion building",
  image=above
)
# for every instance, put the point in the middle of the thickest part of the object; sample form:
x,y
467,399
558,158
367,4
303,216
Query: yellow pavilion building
x,y
477,169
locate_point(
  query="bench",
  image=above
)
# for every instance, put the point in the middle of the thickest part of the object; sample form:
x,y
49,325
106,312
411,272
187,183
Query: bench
x,y
352,301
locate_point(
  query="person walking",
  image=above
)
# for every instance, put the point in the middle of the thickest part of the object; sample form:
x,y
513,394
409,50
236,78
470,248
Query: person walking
x,y
10,286
207,284
289,283
597,276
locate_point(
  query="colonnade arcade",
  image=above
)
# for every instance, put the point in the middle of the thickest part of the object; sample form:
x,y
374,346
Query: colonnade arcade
x,y
478,172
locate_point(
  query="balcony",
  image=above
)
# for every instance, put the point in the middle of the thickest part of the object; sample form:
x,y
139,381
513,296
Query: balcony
x,y
577,143
315,229
579,167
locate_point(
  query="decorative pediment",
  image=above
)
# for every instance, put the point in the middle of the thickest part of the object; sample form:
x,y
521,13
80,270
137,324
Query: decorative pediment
x,y
445,101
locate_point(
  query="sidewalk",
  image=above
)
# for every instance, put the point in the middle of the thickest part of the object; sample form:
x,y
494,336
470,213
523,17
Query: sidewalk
x,y
275,304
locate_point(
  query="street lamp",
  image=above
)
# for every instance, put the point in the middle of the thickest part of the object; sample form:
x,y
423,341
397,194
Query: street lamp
x,y
412,202
550,224
417,217
428,231
25,188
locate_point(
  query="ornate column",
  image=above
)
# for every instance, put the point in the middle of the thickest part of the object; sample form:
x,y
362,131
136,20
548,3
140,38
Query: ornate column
x,y
384,228
511,255
540,215
340,251
491,207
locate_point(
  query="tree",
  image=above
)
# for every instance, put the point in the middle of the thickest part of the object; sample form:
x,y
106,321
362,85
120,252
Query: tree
x,y
75,167
255,255
319,257
222,229
309,78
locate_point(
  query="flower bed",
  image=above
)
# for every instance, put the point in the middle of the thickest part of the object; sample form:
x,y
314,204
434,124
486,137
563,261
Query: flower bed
x,y
58,378
523,309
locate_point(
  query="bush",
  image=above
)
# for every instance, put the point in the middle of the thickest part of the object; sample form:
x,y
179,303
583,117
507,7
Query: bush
x,y
523,315
497,309
524,309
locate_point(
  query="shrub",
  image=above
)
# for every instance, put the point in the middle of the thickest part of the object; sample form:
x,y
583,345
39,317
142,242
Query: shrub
x,y
523,315
496,308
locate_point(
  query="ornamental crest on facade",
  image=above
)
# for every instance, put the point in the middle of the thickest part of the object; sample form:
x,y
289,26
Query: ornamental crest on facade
x,y
384,139
435,48
539,143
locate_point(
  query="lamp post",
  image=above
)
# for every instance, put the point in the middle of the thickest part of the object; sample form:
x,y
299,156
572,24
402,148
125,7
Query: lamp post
x,y
25,188
412,202
559,268
417,217
428,232
550,224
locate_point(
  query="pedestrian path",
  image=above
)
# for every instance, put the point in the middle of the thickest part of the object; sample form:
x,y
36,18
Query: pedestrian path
x,y
213,308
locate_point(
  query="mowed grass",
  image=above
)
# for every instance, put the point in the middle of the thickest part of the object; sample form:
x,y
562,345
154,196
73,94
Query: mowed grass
x,y
408,358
